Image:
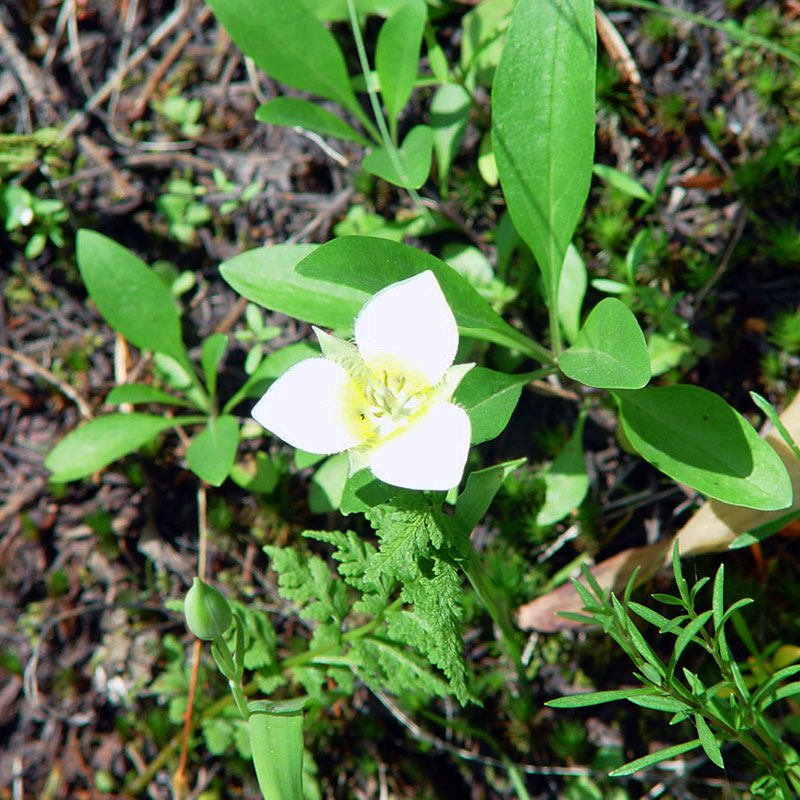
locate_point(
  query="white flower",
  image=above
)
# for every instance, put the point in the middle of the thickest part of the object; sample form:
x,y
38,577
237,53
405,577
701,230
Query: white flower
x,y
386,398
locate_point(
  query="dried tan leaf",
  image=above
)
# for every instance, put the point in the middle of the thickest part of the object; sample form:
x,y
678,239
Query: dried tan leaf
x,y
711,529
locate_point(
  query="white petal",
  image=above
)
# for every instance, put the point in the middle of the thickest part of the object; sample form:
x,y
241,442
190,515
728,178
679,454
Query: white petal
x,y
429,455
311,407
409,325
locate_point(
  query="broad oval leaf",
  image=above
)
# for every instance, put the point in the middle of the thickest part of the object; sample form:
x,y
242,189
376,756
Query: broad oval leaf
x,y
413,160
543,124
101,441
211,453
610,351
397,54
368,264
276,741
267,276
489,398
294,112
696,438
131,297
290,44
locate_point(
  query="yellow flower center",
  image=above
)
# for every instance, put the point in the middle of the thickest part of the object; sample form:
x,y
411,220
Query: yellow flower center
x,y
387,401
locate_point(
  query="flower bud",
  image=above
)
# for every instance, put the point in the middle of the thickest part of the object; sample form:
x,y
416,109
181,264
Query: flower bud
x,y
208,614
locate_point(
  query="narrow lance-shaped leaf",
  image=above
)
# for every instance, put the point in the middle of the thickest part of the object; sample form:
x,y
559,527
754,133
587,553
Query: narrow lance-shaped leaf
x,y
566,481
543,124
482,485
654,758
101,441
130,296
290,44
397,55
450,109
295,112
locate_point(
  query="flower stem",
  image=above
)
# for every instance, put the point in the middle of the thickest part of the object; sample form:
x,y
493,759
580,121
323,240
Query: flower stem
x,y
386,138
498,611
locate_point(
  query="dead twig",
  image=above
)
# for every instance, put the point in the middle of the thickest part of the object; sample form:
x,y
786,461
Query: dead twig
x,y
621,56
104,92
45,373
184,37
75,49
739,222
29,75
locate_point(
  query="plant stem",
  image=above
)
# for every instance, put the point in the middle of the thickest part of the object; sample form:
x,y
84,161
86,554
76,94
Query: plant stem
x,y
476,573
139,784
378,114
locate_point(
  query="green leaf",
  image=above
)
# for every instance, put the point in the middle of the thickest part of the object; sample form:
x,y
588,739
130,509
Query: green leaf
x,y
774,418
131,297
688,635
267,276
211,453
718,597
449,114
660,703
327,485
368,264
654,758
543,124
336,10
483,34
413,160
566,481
610,351
665,353
571,291
789,690
101,441
257,474
621,182
764,531
636,253
489,398
708,741
596,698
290,44
210,358
768,687
294,112
277,743
139,393
482,485
696,438
362,491
397,55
